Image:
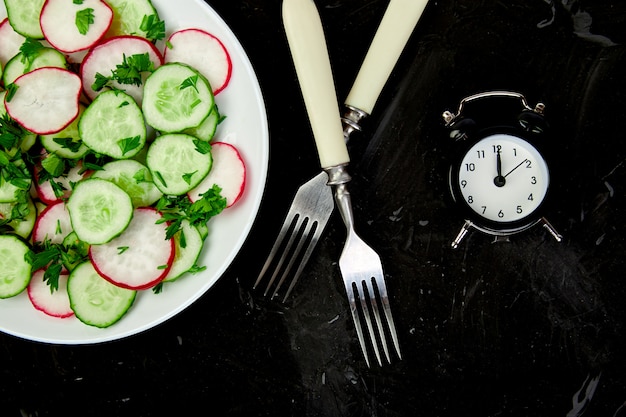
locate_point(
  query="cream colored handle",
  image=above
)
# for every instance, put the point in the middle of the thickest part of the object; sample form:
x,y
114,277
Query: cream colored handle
x,y
392,35
310,56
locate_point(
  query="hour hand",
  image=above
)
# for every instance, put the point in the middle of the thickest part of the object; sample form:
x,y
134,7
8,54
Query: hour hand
x,y
499,180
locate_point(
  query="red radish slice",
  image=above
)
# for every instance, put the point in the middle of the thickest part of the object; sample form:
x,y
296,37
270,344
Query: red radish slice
x,y
106,56
55,304
228,172
72,26
10,40
45,100
204,52
44,189
140,257
53,224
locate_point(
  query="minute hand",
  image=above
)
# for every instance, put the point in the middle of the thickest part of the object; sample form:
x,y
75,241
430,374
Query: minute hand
x,y
518,165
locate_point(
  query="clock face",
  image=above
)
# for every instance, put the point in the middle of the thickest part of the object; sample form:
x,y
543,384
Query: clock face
x,y
503,178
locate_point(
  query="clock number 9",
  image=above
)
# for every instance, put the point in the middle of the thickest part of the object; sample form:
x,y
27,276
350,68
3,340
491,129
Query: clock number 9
x,y
464,183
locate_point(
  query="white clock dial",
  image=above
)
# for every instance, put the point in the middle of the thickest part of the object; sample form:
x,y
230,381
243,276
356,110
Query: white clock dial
x,y
503,178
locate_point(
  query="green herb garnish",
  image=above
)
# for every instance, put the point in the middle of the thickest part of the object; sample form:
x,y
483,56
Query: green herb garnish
x,y
84,19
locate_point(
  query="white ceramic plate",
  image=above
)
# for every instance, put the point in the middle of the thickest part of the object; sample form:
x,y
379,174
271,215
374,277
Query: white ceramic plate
x,y
245,127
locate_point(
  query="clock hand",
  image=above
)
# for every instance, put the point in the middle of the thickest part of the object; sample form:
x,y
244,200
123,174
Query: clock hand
x,y
499,180
518,165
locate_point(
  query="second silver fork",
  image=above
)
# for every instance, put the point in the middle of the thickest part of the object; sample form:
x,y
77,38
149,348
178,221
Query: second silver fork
x,y
313,203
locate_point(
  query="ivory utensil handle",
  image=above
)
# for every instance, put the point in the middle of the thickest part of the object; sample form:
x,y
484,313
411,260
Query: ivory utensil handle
x,y
394,31
306,40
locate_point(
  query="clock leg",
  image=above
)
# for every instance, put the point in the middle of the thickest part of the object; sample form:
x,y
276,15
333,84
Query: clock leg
x,y
551,229
466,227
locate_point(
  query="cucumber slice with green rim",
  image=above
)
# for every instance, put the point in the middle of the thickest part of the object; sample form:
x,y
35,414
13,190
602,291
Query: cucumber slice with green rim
x,y
188,245
46,57
134,178
207,128
113,125
94,300
15,270
178,162
66,143
22,226
176,97
9,192
99,210
24,17
128,17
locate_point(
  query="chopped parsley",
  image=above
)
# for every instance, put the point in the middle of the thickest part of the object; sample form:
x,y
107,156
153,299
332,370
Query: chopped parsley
x,y
54,257
68,143
190,82
153,27
129,72
129,144
175,209
84,19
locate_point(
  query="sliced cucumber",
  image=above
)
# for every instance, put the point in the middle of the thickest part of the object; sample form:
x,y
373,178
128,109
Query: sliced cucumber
x,y
128,17
12,190
176,97
94,300
22,226
188,245
134,178
177,164
9,192
14,268
76,249
207,128
99,210
18,65
24,17
66,143
113,125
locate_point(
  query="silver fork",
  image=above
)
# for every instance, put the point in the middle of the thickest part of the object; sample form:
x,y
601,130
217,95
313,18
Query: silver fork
x,y
312,205
360,266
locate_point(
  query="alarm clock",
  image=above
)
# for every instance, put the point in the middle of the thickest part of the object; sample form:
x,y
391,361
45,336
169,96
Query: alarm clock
x,y
499,177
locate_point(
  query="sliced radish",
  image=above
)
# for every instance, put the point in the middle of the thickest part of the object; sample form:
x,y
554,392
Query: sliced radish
x,y
72,26
45,100
106,56
228,172
44,189
55,304
10,40
140,257
204,52
53,224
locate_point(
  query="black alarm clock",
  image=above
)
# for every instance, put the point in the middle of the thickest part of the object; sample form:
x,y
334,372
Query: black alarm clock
x,y
499,177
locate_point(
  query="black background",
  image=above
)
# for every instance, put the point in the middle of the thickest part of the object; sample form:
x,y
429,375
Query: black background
x,y
526,328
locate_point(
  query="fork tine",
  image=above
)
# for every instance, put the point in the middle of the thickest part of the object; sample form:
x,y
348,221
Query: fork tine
x,y
382,291
357,321
295,226
301,233
317,231
288,225
368,321
320,225
381,331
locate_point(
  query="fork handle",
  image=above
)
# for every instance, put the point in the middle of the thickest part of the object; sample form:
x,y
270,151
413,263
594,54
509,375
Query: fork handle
x,y
394,31
305,36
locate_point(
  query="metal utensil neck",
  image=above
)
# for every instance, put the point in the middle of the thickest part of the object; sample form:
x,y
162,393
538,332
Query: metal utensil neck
x,y
351,120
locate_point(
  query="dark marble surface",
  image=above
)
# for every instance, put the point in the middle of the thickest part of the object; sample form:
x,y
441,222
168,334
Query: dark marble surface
x,y
526,328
